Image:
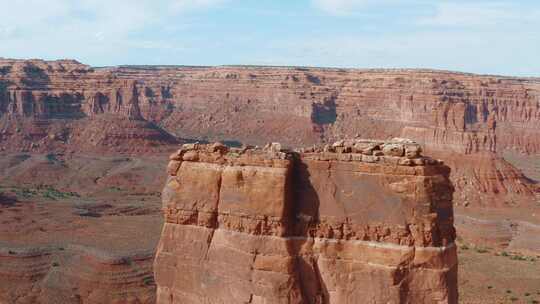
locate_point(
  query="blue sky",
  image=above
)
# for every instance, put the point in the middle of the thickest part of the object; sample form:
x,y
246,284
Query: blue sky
x,y
479,36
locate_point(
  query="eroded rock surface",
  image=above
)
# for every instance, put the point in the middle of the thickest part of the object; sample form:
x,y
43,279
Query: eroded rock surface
x,y
354,222
68,106
462,112
75,274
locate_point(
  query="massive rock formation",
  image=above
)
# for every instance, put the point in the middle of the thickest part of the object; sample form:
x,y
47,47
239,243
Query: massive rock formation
x,y
65,105
356,222
463,112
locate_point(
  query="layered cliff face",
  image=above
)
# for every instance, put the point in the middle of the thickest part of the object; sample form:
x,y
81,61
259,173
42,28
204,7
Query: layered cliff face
x,y
463,112
356,221
74,275
65,105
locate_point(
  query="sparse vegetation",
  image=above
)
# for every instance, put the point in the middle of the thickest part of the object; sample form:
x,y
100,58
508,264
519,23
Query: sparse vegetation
x,y
233,154
518,258
24,192
51,158
54,160
45,191
54,194
481,250
148,281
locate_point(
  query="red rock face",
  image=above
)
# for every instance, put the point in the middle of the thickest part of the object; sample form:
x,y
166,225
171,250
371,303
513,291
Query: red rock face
x,y
342,226
65,105
74,275
465,113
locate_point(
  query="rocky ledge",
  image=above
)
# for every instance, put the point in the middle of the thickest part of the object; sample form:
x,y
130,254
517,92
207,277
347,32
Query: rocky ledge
x,y
356,221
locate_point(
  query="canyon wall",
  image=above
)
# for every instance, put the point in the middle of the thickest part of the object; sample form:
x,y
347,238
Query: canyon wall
x,y
467,120
462,118
462,112
356,221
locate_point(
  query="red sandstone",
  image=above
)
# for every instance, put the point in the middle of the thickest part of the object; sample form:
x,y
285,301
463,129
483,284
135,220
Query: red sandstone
x,y
271,226
64,105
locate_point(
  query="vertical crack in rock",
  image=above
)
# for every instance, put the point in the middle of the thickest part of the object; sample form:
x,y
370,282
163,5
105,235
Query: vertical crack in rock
x,y
213,221
322,225
322,292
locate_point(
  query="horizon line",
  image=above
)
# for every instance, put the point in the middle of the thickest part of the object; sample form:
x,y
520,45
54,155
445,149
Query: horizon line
x,y
268,66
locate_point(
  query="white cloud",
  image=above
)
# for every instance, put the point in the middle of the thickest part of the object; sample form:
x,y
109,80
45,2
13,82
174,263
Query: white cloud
x,y
494,36
460,50
90,28
7,31
473,14
339,7
346,7
186,5
105,17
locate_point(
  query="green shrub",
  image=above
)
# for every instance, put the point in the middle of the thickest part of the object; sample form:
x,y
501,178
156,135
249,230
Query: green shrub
x,y
481,250
518,258
148,281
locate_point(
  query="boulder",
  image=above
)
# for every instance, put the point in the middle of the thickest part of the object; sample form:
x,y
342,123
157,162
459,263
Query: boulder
x,y
413,150
393,150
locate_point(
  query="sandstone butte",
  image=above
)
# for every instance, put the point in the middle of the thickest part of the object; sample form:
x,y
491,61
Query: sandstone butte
x,y
467,120
356,222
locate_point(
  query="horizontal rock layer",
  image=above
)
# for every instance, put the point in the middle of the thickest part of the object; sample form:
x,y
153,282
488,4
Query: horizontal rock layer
x,y
297,106
74,274
274,226
67,106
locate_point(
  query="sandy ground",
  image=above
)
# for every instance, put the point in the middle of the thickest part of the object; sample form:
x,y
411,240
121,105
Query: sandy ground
x,y
489,276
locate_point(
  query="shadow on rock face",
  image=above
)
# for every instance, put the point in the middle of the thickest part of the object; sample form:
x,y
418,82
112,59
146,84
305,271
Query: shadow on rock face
x,y
6,201
324,113
305,214
34,75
